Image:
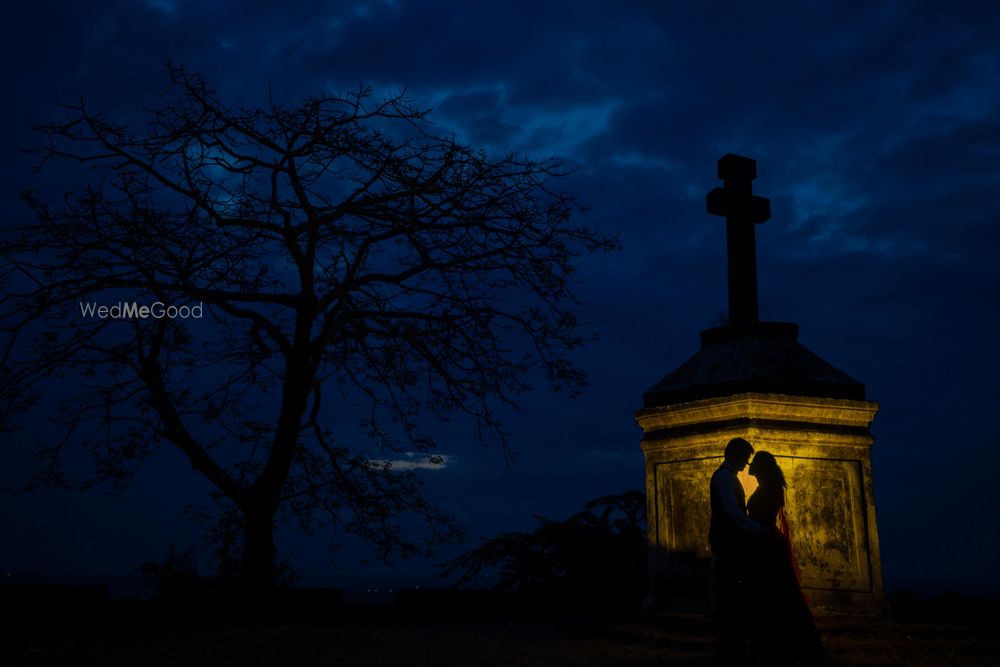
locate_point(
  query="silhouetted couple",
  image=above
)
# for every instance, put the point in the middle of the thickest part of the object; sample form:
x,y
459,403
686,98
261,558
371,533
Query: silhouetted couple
x,y
757,588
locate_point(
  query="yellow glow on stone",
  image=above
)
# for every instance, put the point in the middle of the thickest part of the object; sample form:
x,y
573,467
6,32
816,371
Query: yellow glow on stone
x,y
823,446
749,483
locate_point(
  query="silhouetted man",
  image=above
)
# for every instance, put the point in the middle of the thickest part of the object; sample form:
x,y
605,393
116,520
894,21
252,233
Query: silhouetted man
x,y
727,534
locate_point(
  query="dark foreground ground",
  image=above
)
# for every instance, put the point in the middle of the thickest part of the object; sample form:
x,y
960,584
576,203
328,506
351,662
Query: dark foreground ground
x,y
918,631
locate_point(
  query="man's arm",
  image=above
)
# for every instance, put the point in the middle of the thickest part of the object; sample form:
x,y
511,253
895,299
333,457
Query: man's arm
x,y
725,479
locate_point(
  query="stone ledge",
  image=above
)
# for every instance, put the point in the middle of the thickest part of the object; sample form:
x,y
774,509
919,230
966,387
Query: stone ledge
x,y
763,407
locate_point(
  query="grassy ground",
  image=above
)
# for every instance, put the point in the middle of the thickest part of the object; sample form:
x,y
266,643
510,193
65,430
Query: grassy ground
x,y
385,636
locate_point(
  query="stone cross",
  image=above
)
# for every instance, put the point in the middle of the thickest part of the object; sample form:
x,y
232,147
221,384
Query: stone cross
x,y
742,210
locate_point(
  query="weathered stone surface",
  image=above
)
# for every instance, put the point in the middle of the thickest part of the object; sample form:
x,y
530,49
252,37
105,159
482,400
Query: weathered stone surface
x,y
822,444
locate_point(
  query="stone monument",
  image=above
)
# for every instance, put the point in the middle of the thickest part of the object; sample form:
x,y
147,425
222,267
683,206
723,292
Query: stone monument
x,y
754,380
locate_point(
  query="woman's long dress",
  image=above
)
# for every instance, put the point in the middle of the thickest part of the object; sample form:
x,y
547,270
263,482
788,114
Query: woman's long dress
x,y
780,621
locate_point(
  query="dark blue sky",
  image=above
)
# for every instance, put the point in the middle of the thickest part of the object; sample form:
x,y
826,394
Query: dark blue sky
x,y
876,127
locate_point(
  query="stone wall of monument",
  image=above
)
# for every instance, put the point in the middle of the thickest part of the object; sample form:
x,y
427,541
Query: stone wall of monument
x,y
823,446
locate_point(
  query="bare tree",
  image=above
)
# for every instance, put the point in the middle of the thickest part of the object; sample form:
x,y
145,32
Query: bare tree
x,y
344,256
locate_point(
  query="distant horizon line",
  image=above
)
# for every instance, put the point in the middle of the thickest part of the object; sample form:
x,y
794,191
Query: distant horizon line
x,y
122,585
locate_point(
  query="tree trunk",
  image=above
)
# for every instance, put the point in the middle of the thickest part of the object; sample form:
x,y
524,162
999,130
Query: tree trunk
x,y
258,565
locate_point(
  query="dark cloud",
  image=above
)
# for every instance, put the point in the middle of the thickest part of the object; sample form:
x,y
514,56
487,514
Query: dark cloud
x,y
480,114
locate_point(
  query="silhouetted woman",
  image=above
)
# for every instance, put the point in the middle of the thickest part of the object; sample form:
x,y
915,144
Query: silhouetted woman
x,y
779,616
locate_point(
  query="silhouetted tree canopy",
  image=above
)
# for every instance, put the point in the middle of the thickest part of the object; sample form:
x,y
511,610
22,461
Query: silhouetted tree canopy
x,y
364,276
597,555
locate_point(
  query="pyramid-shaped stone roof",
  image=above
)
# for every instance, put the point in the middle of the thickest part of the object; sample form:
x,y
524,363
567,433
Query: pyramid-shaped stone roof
x,y
762,357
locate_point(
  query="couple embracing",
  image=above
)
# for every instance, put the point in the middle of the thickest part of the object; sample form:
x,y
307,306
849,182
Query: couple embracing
x,y
757,587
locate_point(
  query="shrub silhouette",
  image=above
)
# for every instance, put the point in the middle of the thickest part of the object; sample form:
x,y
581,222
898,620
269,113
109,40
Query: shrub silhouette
x,y
597,556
